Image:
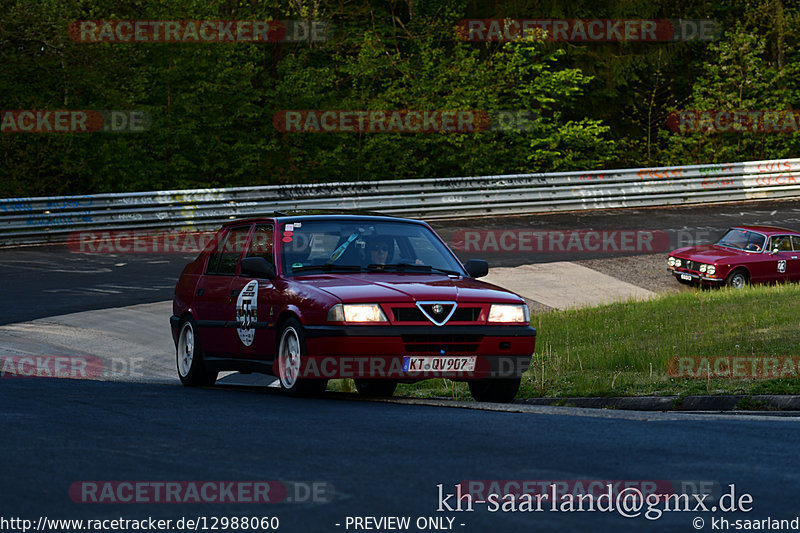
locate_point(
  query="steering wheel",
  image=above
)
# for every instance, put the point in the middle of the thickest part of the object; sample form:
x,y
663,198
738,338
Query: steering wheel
x,y
753,247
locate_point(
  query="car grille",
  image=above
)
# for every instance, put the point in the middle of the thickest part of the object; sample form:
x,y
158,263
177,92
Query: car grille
x,y
408,314
413,314
466,314
437,343
691,265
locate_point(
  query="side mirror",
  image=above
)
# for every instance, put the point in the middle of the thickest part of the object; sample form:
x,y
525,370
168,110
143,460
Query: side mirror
x,y
257,267
477,268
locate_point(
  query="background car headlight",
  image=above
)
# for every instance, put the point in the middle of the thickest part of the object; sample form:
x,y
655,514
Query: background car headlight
x,y
509,313
671,261
356,313
711,269
703,268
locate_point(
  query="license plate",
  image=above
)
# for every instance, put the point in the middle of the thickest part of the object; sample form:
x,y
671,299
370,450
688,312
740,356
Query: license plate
x,y
439,363
687,277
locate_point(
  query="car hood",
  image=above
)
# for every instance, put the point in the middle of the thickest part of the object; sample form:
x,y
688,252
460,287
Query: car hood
x,y
371,287
707,253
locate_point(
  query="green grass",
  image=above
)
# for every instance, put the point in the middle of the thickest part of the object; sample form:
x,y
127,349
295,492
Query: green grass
x,y
622,349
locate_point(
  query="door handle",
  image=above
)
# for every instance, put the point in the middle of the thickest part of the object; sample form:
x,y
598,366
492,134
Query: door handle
x,y
233,292
200,292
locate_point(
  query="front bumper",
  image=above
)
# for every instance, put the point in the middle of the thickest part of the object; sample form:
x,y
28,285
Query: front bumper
x,y
693,276
500,351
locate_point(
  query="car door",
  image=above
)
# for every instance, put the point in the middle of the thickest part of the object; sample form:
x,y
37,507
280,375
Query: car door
x,y
782,262
252,302
213,297
793,265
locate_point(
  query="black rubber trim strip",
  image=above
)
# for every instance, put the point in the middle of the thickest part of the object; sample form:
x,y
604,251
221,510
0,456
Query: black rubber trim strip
x,y
233,324
175,320
394,331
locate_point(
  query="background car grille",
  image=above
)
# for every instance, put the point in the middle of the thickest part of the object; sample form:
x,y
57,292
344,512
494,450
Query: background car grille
x,y
437,343
413,314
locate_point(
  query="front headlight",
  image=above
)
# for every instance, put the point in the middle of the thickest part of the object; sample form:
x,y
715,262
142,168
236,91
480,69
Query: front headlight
x,y
677,262
509,313
703,268
671,261
356,313
711,270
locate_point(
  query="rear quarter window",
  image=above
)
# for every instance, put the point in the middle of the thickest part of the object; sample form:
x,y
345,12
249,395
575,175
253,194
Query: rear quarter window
x,y
225,257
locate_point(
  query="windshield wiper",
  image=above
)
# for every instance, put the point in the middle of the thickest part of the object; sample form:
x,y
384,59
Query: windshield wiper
x,y
328,267
408,267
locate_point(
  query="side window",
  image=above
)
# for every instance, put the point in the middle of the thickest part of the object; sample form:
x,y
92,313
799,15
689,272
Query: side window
x,y
781,243
226,257
796,243
261,243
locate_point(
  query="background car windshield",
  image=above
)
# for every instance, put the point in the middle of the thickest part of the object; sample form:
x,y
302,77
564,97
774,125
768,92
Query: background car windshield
x,y
743,239
345,244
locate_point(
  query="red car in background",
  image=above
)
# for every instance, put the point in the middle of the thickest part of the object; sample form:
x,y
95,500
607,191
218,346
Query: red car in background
x,y
745,254
381,299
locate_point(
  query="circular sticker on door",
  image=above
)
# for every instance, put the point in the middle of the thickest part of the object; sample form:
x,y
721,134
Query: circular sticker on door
x,y
247,312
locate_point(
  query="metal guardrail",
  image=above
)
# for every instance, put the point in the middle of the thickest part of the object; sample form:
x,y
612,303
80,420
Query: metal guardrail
x,y
53,219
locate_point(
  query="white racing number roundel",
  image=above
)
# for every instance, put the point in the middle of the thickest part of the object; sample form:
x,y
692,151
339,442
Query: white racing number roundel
x,y
246,312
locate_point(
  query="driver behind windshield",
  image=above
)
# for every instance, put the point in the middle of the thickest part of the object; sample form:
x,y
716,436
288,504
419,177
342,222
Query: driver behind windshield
x,y
379,249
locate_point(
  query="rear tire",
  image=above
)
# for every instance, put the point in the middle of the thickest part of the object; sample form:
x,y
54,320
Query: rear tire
x,y
291,352
737,279
495,390
376,388
189,357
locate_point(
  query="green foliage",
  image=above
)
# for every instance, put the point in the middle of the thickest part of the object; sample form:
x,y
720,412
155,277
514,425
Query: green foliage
x,y
590,105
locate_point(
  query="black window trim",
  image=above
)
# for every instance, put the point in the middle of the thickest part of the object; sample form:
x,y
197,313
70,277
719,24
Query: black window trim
x,y
250,236
224,242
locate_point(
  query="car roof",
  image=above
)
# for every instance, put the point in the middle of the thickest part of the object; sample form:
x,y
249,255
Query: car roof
x,y
305,215
767,230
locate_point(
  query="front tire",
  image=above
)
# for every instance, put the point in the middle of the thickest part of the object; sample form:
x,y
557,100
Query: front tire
x,y
382,388
291,352
737,279
189,357
495,390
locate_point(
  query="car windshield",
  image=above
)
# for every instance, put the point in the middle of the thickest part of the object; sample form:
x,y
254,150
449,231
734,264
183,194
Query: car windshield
x,y
743,239
314,246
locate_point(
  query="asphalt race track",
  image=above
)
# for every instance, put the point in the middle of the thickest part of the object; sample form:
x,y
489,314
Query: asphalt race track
x,y
374,459
42,281
66,441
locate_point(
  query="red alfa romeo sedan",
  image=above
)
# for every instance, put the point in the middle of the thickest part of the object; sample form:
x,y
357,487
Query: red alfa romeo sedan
x,y
745,254
380,299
